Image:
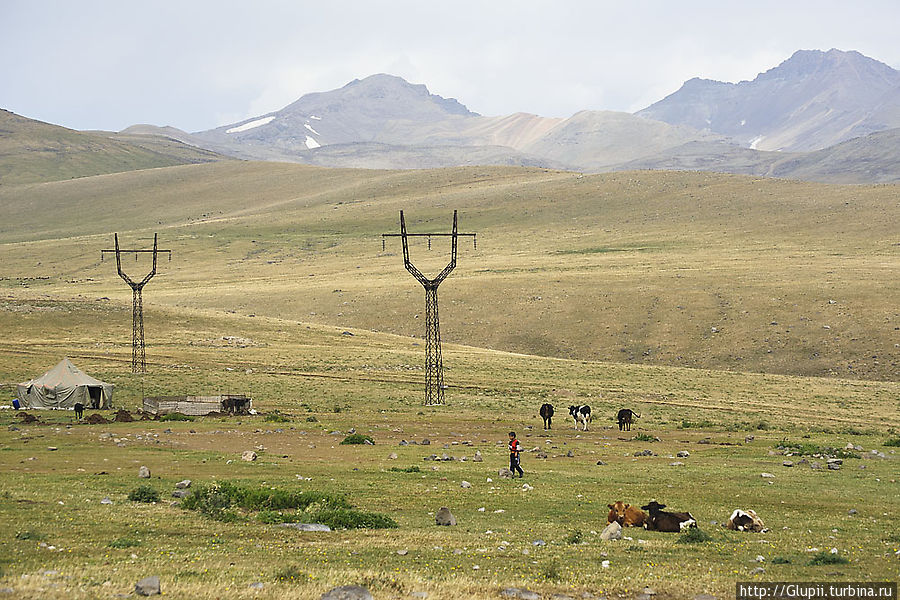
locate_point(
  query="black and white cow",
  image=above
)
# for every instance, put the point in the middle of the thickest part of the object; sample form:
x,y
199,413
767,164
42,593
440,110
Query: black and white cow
x,y
626,417
547,415
581,414
660,520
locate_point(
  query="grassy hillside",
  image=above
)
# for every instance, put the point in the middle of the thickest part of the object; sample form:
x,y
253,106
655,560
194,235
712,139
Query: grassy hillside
x,y
312,384
680,269
32,151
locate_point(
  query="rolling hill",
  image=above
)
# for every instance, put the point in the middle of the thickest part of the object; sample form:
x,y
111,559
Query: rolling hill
x,y
688,269
32,151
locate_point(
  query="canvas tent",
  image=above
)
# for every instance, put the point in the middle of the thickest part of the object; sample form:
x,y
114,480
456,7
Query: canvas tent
x,y
63,386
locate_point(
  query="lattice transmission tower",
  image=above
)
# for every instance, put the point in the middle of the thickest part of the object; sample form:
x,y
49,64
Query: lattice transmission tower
x,y
434,368
138,353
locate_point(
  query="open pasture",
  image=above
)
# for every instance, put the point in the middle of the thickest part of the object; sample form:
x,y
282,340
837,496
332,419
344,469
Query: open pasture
x,y
309,381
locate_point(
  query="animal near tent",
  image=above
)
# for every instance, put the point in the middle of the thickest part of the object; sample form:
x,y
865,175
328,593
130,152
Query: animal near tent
x,y
64,386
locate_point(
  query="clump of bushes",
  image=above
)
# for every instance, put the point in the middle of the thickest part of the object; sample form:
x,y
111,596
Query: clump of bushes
x,y
575,537
291,574
30,535
894,442
696,424
694,535
176,417
780,560
808,449
124,542
144,493
412,469
312,419
222,501
643,437
276,417
357,438
826,558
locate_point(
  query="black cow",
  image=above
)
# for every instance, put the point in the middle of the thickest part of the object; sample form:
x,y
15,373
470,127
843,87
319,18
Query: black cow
x,y
547,415
581,414
625,417
79,410
660,520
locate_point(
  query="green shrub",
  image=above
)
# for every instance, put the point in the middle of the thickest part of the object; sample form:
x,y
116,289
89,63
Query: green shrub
x,y
291,574
806,449
144,493
30,535
344,518
276,417
124,542
696,424
643,437
780,560
216,501
357,438
826,558
575,537
892,442
176,417
694,535
312,419
412,469
272,517
551,571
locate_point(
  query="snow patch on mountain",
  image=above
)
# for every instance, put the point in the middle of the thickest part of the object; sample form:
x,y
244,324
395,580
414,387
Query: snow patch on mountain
x,y
251,125
311,143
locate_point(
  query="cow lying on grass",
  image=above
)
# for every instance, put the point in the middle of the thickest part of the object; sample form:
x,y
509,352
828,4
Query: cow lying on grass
x,y
745,520
660,520
626,515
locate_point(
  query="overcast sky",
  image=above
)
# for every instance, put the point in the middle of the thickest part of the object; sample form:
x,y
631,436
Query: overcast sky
x,y
197,64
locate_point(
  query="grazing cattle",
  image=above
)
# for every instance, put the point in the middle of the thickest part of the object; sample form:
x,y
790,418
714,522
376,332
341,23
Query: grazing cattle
x,y
626,515
745,520
547,415
79,410
660,520
625,417
581,414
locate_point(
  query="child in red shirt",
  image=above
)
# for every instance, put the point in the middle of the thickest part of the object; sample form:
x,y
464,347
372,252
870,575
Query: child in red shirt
x,y
514,449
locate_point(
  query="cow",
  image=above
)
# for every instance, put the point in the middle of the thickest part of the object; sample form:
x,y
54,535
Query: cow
x,y
660,520
625,417
581,414
79,410
547,415
745,520
626,515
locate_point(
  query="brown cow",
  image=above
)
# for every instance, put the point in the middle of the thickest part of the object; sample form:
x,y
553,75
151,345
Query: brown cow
x,y
626,515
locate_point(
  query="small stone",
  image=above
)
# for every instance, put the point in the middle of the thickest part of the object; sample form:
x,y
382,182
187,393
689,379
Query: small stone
x,y
52,448
392,456
600,462
505,473
704,597
683,454
605,564
538,543
403,552
852,511
477,457
444,517
677,463
521,594
347,592
418,594
570,453
258,585
834,466
767,476
183,485
180,494
787,463
426,442
816,466
248,455
144,473
758,571
526,487
760,558
148,586
306,526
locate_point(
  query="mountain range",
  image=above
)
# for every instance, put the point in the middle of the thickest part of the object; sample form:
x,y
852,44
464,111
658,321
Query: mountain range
x,y
822,116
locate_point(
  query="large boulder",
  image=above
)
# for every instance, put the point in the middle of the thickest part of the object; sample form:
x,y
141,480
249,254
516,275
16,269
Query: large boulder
x,y
444,517
148,586
613,531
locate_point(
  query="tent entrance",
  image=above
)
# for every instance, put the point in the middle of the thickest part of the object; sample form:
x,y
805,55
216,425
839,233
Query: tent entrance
x,y
96,394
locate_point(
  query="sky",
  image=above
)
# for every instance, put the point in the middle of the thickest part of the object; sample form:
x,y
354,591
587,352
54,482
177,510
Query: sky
x,y
198,64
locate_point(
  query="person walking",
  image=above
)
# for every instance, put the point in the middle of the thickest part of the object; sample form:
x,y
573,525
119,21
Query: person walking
x,y
514,449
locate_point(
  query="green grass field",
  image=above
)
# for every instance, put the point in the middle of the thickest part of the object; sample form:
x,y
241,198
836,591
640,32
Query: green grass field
x,y
718,307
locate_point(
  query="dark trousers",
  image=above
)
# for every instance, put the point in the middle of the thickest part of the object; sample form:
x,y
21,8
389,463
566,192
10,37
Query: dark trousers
x,y
514,465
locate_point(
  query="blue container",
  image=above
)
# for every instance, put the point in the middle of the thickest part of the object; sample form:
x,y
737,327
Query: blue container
x,y
16,403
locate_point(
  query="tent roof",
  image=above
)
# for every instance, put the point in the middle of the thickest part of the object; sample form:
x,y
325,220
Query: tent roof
x,y
65,374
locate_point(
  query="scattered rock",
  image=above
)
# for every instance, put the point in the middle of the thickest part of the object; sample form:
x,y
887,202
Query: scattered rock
x,y
683,454
505,473
767,476
183,485
148,586
538,543
180,494
834,466
418,594
347,592
144,473
852,511
465,484
403,552
403,443
306,526
258,585
526,487
677,463
570,453
248,455
477,457
106,501
613,531
600,462
704,597
758,571
520,593
787,463
426,442
444,517
816,466
392,456
835,461
52,448
7,590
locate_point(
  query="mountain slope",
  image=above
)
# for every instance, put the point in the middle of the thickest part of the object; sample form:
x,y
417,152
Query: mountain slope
x,y
810,101
32,151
